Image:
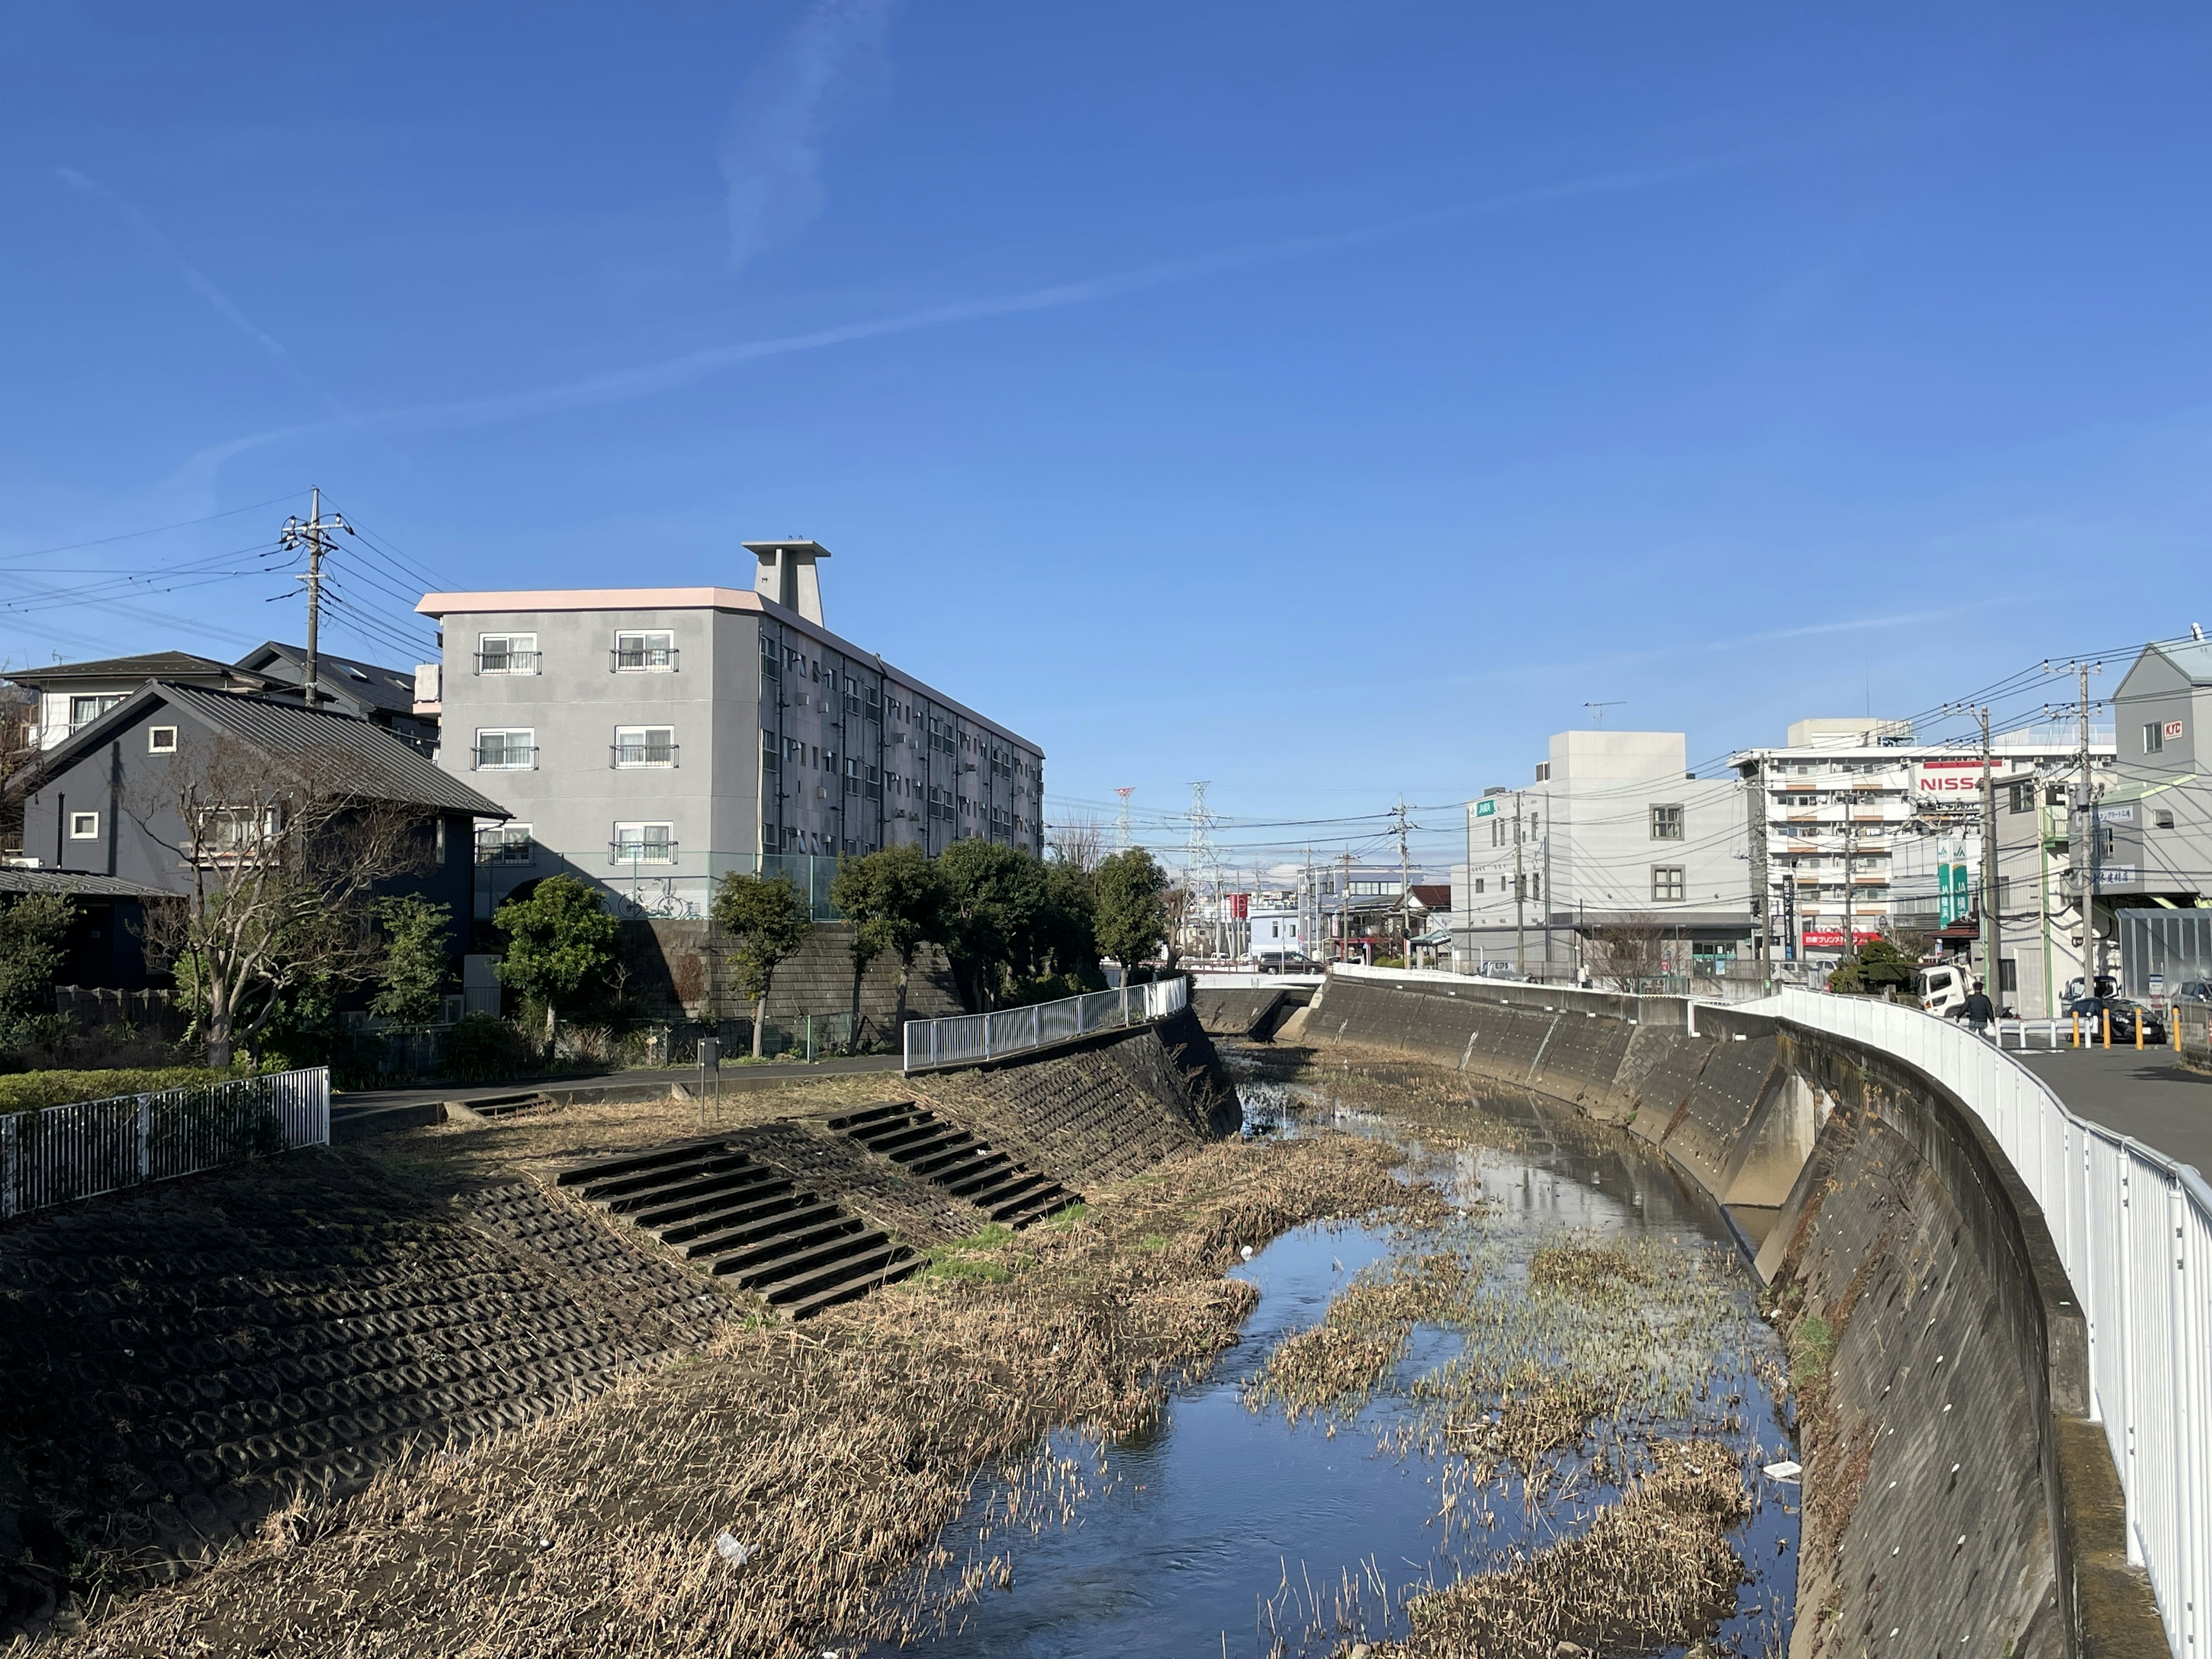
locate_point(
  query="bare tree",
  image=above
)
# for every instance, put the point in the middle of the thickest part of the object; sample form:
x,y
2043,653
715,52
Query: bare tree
x,y
1632,951
20,758
1178,901
284,854
1080,843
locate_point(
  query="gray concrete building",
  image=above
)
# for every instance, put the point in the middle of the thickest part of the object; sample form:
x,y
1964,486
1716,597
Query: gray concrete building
x,y
653,739
1613,832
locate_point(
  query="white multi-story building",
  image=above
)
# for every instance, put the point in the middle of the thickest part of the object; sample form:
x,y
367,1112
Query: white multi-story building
x,y
653,739
1867,831
1614,833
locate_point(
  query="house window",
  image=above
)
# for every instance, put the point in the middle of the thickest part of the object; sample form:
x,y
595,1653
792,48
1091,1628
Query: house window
x,y
161,739
2153,737
507,653
509,750
644,653
2023,797
643,843
1666,884
1666,824
84,826
645,745
85,710
506,843
1478,883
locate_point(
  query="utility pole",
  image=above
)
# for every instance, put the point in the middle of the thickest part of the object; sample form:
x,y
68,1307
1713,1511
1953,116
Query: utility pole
x,y
314,536
1519,895
1755,822
1992,928
1400,828
1343,905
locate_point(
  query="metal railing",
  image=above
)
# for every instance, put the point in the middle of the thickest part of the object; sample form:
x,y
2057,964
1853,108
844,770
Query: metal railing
x,y
966,1039
56,1154
504,662
643,659
639,752
2133,1229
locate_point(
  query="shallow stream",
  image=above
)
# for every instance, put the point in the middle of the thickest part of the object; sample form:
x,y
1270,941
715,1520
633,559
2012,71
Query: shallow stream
x,y
1232,1530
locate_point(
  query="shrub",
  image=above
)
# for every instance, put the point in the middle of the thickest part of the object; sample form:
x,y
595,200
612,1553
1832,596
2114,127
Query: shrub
x,y
483,1048
28,1090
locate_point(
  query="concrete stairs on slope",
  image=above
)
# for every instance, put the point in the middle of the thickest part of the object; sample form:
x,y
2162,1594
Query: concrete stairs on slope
x,y
730,1214
918,1141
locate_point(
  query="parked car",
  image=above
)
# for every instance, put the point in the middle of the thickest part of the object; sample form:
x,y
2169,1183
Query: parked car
x,y
2194,990
2126,1013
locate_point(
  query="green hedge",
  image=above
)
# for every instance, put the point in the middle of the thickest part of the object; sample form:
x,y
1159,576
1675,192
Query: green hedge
x,y
27,1090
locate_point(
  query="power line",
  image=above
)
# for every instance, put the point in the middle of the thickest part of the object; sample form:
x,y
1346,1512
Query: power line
x,y
159,529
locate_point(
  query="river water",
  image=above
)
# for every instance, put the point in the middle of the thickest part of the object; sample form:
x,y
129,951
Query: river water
x,y
1230,1530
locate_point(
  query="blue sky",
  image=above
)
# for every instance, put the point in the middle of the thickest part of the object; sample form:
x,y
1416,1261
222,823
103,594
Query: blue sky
x,y
1325,400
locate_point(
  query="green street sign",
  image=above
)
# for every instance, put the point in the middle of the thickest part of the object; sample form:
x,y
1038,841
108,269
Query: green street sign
x,y
1485,809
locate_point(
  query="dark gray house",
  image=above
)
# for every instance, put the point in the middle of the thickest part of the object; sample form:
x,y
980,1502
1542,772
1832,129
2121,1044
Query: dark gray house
x,y
382,696
104,804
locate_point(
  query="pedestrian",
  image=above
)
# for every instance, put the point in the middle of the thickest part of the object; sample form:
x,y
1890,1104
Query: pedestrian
x,y
1980,1013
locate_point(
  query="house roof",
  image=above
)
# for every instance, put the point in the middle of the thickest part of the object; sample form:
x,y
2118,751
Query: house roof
x,y
181,665
13,879
392,690
1431,896
381,767
2193,658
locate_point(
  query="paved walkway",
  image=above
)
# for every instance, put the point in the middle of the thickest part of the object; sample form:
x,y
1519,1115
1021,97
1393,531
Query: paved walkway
x,y
2144,1095
733,1078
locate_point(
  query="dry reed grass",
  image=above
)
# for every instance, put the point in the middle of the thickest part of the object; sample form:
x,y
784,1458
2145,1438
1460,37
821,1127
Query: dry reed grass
x,y
835,1455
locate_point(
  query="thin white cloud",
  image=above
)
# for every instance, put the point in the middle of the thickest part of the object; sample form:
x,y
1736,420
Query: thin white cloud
x,y
771,155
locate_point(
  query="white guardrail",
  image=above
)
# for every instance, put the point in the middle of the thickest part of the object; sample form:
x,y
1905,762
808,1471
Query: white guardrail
x,y
56,1154
2133,1231
966,1038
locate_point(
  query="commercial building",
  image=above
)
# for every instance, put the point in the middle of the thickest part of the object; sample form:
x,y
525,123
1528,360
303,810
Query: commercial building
x,y
653,739
1864,831
1614,837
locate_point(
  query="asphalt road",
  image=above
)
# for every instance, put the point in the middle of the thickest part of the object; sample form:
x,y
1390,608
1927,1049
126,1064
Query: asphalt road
x,y
2145,1095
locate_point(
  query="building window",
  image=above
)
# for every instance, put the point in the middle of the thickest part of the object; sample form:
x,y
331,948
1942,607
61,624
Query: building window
x,y
1666,824
511,750
85,710
645,745
2023,797
2153,737
1666,884
161,739
643,843
84,826
1478,883
506,843
645,652
507,653
2007,973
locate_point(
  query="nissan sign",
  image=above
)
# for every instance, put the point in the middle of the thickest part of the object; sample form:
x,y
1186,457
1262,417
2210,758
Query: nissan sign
x,y
1938,778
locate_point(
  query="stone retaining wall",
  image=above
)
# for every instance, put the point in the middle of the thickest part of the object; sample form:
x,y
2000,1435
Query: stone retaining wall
x,y
1938,1354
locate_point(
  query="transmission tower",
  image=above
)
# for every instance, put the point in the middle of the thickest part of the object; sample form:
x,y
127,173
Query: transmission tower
x,y
1122,819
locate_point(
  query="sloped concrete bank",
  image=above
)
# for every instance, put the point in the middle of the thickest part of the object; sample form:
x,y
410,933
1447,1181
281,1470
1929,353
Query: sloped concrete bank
x,y
1956,1498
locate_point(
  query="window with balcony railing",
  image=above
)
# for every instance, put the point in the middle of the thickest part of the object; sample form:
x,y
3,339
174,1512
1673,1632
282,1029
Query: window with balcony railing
x,y
644,746
645,652
509,750
642,843
510,843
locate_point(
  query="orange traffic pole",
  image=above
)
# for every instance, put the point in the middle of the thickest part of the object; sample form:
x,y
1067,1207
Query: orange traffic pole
x,y
2077,1027
2139,1025
2107,1016
2173,1028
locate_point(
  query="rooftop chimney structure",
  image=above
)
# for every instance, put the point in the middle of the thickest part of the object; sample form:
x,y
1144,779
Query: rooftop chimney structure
x,y
787,575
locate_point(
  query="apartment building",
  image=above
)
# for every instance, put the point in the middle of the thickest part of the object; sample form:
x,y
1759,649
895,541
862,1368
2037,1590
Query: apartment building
x,y
1614,831
653,739
1865,830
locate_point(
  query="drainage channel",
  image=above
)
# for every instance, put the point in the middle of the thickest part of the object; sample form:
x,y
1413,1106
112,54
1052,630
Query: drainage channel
x,y
994,1182
732,1216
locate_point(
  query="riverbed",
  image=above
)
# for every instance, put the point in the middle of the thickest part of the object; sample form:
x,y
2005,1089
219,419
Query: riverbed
x,y
1239,1527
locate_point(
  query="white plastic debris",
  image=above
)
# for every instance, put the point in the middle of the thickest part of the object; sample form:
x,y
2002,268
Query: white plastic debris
x,y
1785,1470
1246,1252
728,1546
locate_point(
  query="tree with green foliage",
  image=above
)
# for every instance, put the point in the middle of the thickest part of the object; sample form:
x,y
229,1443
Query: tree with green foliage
x,y
994,894
561,945
895,900
417,959
1878,966
768,918
33,945
1132,913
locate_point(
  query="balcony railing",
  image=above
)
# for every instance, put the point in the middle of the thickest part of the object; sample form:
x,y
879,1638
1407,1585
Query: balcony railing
x,y
506,662
640,852
644,754
505,756
643,659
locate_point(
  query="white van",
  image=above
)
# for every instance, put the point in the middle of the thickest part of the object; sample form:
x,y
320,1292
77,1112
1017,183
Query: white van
x,y
1944,990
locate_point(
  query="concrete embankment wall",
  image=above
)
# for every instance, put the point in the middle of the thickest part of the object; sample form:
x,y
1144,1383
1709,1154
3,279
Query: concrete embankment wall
x,y
1956,1499
1254,1012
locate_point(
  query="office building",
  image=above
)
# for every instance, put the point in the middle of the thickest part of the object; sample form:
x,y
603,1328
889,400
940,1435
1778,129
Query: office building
x,y
653,739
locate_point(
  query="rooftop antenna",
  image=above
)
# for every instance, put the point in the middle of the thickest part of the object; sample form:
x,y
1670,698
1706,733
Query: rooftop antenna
x,y
1597,709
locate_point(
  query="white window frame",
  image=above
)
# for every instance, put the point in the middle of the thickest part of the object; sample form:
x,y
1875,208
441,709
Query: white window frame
x,y
645,644
154,736
102,702
518,654
84,826
508,844
529,746
639,739
628,835
2154,734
